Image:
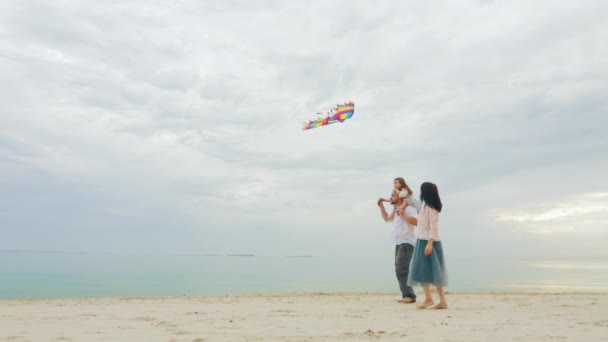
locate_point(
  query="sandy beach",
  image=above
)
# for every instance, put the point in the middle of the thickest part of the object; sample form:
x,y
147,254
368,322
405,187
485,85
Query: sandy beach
x,y
308,317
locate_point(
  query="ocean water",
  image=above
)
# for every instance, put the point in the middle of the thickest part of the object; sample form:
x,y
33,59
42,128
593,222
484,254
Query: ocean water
x,y
26,274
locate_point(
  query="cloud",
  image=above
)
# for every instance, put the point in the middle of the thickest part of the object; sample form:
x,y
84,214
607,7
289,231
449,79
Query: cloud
x,y
582,214
188,115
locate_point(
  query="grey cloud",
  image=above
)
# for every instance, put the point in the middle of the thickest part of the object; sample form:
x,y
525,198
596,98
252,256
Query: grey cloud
x,y
179,105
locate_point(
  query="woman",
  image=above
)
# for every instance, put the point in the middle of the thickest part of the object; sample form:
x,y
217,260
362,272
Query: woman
x,y
428,266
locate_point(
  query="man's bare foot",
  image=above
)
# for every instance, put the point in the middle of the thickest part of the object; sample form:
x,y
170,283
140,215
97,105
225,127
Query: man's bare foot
x,y
424,304
440,306
400,300
408,300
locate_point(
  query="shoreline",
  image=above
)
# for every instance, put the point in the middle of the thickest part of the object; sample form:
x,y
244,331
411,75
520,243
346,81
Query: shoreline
x,y
308,317
419,292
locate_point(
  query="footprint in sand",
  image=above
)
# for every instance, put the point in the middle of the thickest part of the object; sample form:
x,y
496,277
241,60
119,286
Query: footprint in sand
x,y
145,319
370,332
181,332
283,311
170,327
166,324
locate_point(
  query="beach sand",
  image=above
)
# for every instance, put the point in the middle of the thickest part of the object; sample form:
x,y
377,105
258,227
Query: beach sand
x,y
308,317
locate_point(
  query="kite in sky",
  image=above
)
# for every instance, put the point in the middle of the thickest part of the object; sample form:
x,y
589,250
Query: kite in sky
x,y
338,114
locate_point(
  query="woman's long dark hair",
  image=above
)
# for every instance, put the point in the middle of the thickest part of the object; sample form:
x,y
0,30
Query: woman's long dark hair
x,y
430,195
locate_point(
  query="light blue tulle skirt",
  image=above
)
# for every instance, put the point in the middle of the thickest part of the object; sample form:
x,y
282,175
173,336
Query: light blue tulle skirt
x,y
428,269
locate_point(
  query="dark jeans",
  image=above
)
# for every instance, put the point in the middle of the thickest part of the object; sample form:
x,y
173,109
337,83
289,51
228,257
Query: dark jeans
x,y
403,256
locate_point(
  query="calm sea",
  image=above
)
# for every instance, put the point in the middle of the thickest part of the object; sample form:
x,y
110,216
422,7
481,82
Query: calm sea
x,y
57,275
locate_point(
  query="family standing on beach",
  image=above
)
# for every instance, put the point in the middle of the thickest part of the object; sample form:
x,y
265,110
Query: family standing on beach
x,y
418,251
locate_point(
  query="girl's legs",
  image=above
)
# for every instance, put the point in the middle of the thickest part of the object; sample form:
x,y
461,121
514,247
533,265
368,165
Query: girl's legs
x,y
428,299
443,303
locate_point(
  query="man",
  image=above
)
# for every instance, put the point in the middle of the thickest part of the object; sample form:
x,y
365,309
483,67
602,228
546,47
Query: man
x,y
404,222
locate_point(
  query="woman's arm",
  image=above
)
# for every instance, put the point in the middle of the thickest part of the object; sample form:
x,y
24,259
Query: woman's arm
x,y
434,224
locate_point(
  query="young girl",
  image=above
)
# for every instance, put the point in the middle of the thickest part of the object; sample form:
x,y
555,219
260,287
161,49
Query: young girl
x,y
405,193
428,266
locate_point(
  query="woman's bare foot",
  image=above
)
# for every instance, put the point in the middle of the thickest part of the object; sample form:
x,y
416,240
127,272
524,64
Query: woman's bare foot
x,y
440,306
424,304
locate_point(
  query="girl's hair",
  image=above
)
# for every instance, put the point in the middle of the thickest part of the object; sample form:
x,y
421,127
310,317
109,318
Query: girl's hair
x,y
404,185
430,195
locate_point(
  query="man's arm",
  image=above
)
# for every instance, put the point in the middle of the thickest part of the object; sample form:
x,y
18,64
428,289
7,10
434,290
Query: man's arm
x,y
385,215
413,219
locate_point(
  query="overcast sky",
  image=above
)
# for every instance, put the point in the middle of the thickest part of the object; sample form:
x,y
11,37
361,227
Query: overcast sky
x,y
175,126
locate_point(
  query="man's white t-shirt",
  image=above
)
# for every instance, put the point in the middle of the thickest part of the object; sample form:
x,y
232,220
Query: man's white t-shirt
x,y
404,232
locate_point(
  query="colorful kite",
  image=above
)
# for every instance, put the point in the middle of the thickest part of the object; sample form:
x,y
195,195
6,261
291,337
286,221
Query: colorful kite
x,y
338,114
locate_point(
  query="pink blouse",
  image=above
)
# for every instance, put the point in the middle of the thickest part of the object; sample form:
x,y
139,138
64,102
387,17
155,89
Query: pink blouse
x,y
428,222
